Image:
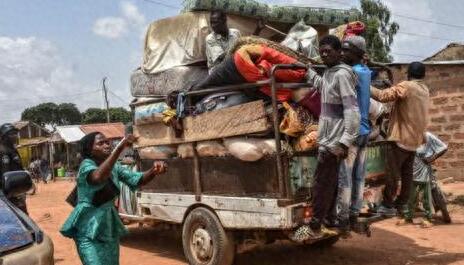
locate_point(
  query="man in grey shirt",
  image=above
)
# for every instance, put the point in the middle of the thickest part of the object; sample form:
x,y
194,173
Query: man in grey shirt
x,y
220,40
338,129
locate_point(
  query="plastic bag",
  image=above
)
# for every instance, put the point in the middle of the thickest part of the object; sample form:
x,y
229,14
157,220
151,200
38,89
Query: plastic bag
x,y
303,39
185,150
157,152
211,148
150,113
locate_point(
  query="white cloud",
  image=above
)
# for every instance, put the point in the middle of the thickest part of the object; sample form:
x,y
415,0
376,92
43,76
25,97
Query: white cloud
x,y
117,27
132,13
31,72
110,27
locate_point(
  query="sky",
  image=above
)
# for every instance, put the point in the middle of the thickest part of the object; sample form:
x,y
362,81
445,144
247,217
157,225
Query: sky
x,y
59,50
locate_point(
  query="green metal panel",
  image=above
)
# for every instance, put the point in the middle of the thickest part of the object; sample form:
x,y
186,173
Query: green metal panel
x,y
302,168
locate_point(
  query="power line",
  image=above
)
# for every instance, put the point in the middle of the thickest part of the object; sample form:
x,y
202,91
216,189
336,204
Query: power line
x,y
430,21
346,4
118,97
162,4
424,36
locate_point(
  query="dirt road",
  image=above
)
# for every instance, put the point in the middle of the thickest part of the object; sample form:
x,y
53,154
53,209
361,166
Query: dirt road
x,y
389,244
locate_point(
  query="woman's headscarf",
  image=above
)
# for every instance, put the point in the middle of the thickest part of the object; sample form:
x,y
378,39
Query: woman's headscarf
x,y
87,144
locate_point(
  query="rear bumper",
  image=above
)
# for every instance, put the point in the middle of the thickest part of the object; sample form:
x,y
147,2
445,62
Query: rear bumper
x,y
35,254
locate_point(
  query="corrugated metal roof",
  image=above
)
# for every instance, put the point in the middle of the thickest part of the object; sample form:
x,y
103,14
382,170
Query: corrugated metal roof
x,y
110,130
71,133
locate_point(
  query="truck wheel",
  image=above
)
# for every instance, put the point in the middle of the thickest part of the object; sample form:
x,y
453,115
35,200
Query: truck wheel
x,y
204,240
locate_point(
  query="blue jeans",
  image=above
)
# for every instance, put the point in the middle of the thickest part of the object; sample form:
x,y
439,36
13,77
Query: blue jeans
x,y
351,180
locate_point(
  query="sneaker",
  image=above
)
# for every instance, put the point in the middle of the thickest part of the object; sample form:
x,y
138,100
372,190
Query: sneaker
x,y
426,223
326,232
386,211
402,222
304,233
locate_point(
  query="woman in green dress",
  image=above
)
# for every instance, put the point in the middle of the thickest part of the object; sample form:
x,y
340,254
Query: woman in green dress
x,y
94,223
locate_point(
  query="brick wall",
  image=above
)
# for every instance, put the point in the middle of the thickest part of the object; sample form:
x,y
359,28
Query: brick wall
x,y
446,83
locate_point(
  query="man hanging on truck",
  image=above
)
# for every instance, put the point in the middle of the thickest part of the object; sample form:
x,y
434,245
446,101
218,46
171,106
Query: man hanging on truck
x,y
353,168
338,129
220,39
407,126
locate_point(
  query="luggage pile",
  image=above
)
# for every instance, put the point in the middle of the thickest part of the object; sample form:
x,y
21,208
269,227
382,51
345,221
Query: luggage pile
x,y
230,123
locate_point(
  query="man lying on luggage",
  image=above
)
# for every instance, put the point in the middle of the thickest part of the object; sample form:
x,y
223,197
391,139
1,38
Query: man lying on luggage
x,y
220,39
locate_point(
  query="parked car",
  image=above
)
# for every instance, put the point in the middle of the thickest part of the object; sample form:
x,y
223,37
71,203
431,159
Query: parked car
x,y
21,240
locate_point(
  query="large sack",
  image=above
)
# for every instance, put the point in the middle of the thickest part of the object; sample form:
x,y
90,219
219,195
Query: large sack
x,y
211,148
303,39
185,150
150,113
157,152
163,83
250,149
244,149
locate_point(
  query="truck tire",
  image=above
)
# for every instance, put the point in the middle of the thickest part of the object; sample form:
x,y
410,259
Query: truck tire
x,y
205,241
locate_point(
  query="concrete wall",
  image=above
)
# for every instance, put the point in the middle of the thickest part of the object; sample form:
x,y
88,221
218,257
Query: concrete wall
x,y
446,82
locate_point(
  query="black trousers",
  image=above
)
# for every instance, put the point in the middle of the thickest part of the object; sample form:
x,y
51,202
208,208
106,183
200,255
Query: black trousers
x,y
324,190
399,166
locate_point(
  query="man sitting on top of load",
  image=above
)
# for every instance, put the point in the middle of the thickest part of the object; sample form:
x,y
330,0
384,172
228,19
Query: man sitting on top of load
x,y
220,39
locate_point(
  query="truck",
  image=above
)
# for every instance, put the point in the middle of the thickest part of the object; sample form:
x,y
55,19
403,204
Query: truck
x,y
220,203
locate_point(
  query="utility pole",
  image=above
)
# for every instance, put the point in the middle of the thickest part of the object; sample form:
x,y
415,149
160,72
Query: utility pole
x,y
107,103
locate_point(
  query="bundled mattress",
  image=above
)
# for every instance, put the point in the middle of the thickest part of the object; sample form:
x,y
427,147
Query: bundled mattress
x,y
238,7
282,14
163,83
312,16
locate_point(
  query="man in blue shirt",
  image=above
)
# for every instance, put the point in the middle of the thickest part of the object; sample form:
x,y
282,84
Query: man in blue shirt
x,y
353,168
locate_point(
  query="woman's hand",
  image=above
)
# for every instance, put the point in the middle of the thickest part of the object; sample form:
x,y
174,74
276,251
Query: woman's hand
x,y
128,140
159,167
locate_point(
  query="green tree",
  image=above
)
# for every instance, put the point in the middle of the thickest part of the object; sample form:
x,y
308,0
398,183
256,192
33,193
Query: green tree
x,y
67,114
380,30
96,115
52,114
120,115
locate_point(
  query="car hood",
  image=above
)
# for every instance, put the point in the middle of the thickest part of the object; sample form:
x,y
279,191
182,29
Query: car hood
x,y
13,233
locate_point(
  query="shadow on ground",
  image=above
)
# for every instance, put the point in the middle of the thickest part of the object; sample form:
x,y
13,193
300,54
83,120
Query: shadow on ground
x,y
384,247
